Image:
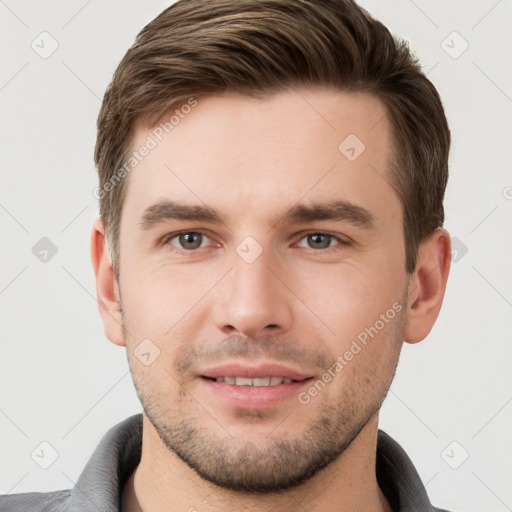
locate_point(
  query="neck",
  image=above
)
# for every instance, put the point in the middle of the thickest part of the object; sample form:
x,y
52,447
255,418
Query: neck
x,y
162,481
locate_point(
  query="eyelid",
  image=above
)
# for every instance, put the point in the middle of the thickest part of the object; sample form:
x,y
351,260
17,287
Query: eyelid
x,y
166,239
339,237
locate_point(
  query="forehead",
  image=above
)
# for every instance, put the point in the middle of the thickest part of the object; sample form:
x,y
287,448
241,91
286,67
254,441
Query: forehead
x,y
264,155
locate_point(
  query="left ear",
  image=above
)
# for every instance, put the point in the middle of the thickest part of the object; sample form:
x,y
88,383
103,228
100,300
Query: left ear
x,y
427,285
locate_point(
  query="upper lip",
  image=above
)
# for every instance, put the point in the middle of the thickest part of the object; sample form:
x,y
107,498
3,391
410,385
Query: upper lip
x,y
254,371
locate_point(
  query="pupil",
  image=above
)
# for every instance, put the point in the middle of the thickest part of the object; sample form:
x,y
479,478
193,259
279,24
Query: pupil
x,y
319,240
191,240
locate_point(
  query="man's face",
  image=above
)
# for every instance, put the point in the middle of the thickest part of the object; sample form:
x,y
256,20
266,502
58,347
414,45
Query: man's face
x,y
253,245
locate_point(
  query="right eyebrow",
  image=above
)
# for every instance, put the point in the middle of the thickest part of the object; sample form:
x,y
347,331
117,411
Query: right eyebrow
x,y
168,210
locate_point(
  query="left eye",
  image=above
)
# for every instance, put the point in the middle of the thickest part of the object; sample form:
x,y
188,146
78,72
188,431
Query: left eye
x,y
189,240
319,241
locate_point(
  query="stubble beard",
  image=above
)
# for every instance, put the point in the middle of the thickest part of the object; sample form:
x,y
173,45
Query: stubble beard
x,y
245,466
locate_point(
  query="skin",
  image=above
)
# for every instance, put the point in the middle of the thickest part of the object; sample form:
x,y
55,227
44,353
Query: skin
x,y
299,302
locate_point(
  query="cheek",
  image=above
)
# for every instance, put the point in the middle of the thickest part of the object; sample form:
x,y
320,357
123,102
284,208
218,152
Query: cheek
x,y
159,300
168,318
365,361
348,299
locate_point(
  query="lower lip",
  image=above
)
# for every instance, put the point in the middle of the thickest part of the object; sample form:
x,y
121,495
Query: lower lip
x,y
255,397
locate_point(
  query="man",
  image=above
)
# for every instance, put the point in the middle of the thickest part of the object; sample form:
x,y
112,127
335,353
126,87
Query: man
x,y
272,175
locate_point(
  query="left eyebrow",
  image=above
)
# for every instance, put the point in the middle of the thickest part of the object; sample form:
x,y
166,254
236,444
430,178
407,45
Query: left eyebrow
x,y
335,210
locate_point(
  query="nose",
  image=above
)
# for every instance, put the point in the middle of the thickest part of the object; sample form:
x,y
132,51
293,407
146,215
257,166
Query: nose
x,y
253,301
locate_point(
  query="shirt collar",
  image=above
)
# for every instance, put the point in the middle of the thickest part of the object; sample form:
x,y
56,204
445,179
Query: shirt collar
x,y
101,482
398,478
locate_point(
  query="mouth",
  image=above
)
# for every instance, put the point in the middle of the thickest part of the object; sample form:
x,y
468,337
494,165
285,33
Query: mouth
x,y
256,382
254,387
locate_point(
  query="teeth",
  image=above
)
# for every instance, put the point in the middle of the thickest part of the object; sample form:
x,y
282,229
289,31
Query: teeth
x,y
243,381
261,382
258,382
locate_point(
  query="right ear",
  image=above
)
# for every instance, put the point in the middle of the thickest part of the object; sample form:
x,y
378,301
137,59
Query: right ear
x,y
107,288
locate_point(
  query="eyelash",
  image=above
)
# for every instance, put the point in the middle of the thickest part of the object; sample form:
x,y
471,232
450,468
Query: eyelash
x,y
341,241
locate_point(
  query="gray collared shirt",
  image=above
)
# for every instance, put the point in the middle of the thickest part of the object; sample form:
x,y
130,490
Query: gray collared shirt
x,y
100,485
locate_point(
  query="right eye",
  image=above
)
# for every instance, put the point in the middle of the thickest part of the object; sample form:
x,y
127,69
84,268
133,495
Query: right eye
x,y
188,240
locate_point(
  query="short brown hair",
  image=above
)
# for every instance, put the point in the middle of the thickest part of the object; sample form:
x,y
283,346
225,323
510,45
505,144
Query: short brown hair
x,y
258,47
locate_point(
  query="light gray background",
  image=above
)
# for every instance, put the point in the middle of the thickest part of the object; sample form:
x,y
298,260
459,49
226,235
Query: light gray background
x,y
64,383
